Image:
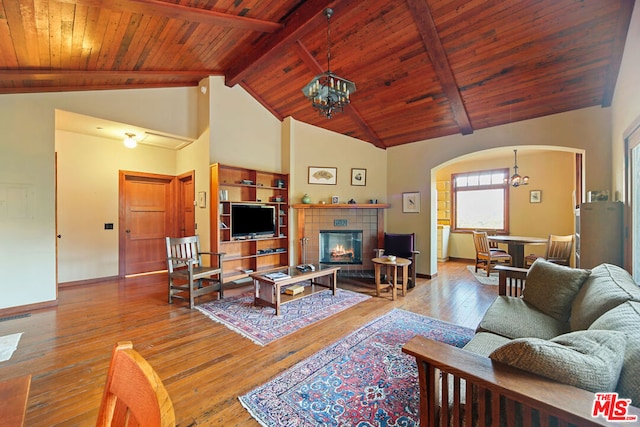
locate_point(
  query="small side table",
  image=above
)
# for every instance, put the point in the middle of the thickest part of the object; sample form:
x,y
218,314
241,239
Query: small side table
x,y
403,263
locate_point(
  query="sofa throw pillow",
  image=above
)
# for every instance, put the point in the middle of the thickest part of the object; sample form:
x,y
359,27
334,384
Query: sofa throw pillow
x,y
551,288
590,360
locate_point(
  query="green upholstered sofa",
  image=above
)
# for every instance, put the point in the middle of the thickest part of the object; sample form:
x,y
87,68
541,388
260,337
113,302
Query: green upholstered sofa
x,y
553,338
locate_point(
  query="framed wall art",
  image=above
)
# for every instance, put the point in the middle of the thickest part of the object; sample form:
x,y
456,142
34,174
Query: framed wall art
x,y
358,177
535,196
323,175
411,202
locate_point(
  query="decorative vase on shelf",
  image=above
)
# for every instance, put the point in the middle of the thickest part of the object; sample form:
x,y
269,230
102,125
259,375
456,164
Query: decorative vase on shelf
x,y
306,199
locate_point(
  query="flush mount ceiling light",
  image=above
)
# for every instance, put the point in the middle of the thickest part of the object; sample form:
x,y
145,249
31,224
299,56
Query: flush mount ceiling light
x,y
130,140
516,180
327,92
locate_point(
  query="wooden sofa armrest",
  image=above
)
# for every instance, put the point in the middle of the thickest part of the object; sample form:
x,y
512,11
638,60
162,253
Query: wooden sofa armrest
x,y
511,280
497,389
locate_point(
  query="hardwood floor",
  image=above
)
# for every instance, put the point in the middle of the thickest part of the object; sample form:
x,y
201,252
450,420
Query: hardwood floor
x,y
204,365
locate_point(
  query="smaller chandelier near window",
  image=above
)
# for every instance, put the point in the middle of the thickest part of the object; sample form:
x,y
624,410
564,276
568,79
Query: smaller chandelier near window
x,y
327,92
516,180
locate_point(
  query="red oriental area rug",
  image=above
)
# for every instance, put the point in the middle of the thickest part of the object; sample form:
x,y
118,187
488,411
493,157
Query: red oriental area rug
x,y
262,326
362,380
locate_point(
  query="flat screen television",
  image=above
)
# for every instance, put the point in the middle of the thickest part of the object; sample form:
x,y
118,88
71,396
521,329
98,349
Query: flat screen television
x,y
253,220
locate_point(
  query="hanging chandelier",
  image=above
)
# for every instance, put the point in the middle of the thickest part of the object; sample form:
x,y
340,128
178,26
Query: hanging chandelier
x,y
327,92
516,180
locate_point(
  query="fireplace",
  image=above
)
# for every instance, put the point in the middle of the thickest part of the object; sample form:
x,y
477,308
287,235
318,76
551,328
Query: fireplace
x,y
368,218
340,247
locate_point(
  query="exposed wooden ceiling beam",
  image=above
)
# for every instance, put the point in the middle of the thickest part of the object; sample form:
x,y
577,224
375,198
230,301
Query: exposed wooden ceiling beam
x,y
429,33
72,74
624,19
355,115
191,14
76,88
295,26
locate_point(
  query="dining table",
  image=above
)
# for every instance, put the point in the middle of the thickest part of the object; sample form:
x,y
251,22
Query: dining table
x,y
516,246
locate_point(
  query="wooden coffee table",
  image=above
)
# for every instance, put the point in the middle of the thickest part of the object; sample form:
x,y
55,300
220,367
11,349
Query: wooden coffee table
x,y
269,292
403,263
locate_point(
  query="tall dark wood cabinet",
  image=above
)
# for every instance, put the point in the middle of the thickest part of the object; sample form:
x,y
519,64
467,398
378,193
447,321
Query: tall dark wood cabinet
x,y
599,234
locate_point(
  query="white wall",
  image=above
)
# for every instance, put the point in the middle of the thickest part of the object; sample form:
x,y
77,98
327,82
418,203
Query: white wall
x,y
88,197
313,146
626,100
243,132
410,166
195,156
551,172
27,248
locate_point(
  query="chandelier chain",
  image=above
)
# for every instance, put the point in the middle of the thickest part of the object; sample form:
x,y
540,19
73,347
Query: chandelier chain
x,y
327,92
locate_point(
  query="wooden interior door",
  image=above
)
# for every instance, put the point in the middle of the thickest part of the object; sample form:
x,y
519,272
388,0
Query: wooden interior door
x,y
147,216
186,205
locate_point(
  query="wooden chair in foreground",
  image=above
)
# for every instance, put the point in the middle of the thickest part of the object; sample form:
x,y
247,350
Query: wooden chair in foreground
x,y
188,277
558,251
486,257
134,394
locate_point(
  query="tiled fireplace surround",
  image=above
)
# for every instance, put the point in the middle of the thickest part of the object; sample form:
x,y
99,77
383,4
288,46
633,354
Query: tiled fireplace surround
x,y
368,218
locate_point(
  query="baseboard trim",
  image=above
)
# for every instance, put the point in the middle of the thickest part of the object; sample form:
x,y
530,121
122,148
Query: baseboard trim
x,y
470,260
86,282
12,311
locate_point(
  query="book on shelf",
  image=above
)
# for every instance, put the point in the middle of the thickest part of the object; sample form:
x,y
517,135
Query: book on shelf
x,y
278,275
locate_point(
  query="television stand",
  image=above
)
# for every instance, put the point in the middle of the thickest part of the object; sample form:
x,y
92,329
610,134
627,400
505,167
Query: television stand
x,y
232,185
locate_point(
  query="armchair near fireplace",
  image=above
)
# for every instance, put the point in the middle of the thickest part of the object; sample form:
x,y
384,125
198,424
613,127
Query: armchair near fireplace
x,y
403,246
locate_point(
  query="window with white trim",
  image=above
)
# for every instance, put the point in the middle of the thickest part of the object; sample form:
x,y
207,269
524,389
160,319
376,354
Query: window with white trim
x,y
481,200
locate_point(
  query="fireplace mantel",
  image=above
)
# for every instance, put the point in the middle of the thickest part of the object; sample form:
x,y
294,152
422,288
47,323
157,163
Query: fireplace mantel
x,y
342,206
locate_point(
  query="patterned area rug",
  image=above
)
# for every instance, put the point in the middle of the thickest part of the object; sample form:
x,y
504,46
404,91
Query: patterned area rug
x,y
262,326
362,380
481,276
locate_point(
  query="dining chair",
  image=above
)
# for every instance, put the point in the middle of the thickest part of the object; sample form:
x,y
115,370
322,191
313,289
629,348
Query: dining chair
x,y
492,243
188,276
486,257
558,250
134,394
403,246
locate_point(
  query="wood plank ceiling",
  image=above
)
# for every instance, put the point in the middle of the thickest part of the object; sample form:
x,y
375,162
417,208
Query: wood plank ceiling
x,y
423,68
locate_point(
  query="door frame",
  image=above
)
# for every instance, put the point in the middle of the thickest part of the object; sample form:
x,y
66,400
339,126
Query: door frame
x,y
181,179
633,130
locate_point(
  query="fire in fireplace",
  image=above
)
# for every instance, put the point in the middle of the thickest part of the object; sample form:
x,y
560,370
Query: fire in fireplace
x,y
341,246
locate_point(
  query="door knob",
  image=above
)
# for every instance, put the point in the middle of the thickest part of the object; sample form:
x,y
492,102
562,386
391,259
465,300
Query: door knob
x,y
127,231
59,236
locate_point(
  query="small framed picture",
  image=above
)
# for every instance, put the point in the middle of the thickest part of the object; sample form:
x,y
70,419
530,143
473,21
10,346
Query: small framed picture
x,y
535,196
358,177
335,200
327,176
202,199
411,202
